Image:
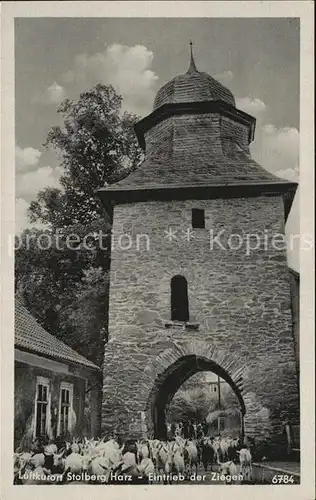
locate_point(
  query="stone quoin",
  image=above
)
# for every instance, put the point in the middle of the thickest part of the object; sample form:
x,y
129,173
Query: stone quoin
x,y
237,321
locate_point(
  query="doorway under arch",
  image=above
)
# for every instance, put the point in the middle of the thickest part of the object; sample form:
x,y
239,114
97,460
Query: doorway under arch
x,y
168,383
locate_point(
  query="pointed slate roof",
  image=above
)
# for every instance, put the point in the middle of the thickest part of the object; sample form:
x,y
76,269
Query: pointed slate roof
x,y
193,86
196,138
196,170
31,336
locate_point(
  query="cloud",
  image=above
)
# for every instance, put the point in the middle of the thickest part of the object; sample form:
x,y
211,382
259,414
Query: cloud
x,y
277,150
291,174
225,77
126,68
252,106
26,158
21,219
28,184
55,93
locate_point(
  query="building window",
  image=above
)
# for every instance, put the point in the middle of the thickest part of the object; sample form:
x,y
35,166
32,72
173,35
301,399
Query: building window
x,y
42,401
198,218
179,299
221,421
65,408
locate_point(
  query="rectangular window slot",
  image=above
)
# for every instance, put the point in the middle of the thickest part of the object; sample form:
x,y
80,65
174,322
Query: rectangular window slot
x,y
41,406
198,218
179,299
65,408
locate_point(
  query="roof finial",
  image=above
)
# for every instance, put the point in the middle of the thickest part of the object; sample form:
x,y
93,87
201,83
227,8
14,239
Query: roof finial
x,y
192,66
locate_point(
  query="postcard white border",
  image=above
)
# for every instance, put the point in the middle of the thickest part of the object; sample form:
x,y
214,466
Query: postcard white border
x,y
246,9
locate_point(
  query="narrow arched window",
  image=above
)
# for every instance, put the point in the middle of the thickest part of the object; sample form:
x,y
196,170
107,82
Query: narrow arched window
x,y
179,299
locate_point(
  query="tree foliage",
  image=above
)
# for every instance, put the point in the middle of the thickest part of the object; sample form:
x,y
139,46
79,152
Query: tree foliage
x,y
65,286
191,404
197,402
86,316
96,146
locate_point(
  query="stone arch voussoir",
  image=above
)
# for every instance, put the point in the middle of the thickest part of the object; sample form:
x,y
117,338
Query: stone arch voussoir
x,y
232,364
256,417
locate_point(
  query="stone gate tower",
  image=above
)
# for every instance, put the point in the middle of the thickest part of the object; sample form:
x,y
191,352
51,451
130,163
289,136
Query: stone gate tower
x,y
187,293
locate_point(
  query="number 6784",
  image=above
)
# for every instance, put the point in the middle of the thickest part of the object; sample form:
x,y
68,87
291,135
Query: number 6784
x,y
282,479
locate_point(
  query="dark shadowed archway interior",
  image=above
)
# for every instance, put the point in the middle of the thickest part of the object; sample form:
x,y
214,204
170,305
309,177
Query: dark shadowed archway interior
x,y
168,383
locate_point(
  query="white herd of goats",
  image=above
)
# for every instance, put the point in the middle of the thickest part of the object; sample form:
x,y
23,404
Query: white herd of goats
x,y
149,461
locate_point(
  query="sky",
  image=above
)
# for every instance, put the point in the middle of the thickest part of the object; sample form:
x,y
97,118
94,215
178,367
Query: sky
x,y
257,59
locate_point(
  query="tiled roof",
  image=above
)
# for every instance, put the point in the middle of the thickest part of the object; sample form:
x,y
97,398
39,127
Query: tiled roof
x,y
31,336
196,139
191,152
196,170
193,86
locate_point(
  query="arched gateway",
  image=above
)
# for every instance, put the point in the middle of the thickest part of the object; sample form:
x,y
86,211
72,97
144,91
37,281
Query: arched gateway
x,y
188,360
202,286
171,380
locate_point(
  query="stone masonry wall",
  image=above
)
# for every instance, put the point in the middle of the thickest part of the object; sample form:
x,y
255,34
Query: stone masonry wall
x,y
295,294
241,302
